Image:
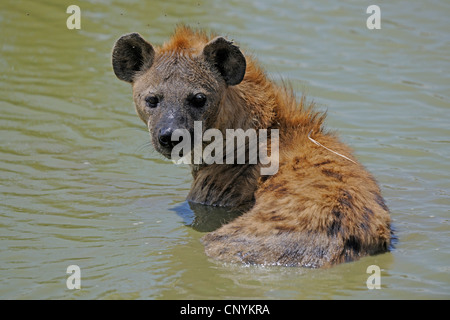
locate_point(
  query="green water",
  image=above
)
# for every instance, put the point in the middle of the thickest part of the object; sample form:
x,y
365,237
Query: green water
x,y
80,185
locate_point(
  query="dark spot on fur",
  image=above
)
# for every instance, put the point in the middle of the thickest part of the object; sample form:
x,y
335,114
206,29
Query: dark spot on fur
x,y
215,237
319,186
352,248
236,229
379,199
346,199
278,187
353,243
277,218
282,191
272,187
223,251
297,160
322,163
333,174
336,213
335,227
205,183
367,216
300,174
290,255
284,228
368,212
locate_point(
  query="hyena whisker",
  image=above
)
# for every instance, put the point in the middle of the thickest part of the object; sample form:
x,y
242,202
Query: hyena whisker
x,y
147,146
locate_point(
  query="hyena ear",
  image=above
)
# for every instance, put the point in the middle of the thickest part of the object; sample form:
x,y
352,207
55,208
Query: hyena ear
x,y
131,54
227,58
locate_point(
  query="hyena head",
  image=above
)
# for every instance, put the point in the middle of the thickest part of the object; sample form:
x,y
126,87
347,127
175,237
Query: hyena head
x,y
173,87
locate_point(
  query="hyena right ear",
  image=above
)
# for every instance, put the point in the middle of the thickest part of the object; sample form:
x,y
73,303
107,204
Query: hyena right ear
x,y
131,54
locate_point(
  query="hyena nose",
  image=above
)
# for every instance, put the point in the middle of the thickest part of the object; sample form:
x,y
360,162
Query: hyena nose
x,y
165,138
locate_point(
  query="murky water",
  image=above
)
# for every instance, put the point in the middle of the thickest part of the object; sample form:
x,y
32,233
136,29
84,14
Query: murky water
x,y
80,185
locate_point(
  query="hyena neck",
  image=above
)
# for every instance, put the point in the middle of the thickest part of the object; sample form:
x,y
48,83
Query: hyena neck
x,y
225,185
259,103
244,106
256,103
248,105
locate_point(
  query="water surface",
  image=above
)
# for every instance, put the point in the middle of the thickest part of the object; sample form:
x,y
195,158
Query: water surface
x,y
80,184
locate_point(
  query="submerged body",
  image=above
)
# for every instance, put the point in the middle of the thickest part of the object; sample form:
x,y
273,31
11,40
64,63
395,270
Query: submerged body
x,y
318,210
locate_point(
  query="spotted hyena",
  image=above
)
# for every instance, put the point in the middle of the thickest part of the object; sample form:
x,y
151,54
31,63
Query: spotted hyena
x,y
321,207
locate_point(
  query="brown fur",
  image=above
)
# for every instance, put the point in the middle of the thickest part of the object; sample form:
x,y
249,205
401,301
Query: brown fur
x,y
318,210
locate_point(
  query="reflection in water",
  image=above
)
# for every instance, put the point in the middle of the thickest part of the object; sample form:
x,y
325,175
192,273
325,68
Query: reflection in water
x,y
205,218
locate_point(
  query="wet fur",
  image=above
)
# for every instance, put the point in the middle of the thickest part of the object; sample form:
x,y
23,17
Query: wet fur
x,y
317,211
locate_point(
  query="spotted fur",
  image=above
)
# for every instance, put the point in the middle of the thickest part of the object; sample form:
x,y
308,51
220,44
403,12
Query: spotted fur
x,y
318,210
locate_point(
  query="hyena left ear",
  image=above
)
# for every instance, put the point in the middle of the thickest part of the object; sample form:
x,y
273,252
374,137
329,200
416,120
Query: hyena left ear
x,y
227,58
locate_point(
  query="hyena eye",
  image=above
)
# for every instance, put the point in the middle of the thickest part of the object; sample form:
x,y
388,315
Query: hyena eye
x,y
152,101
198,100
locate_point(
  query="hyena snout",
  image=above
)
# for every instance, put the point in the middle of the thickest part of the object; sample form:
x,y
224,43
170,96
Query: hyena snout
x,y
165,138
168,136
